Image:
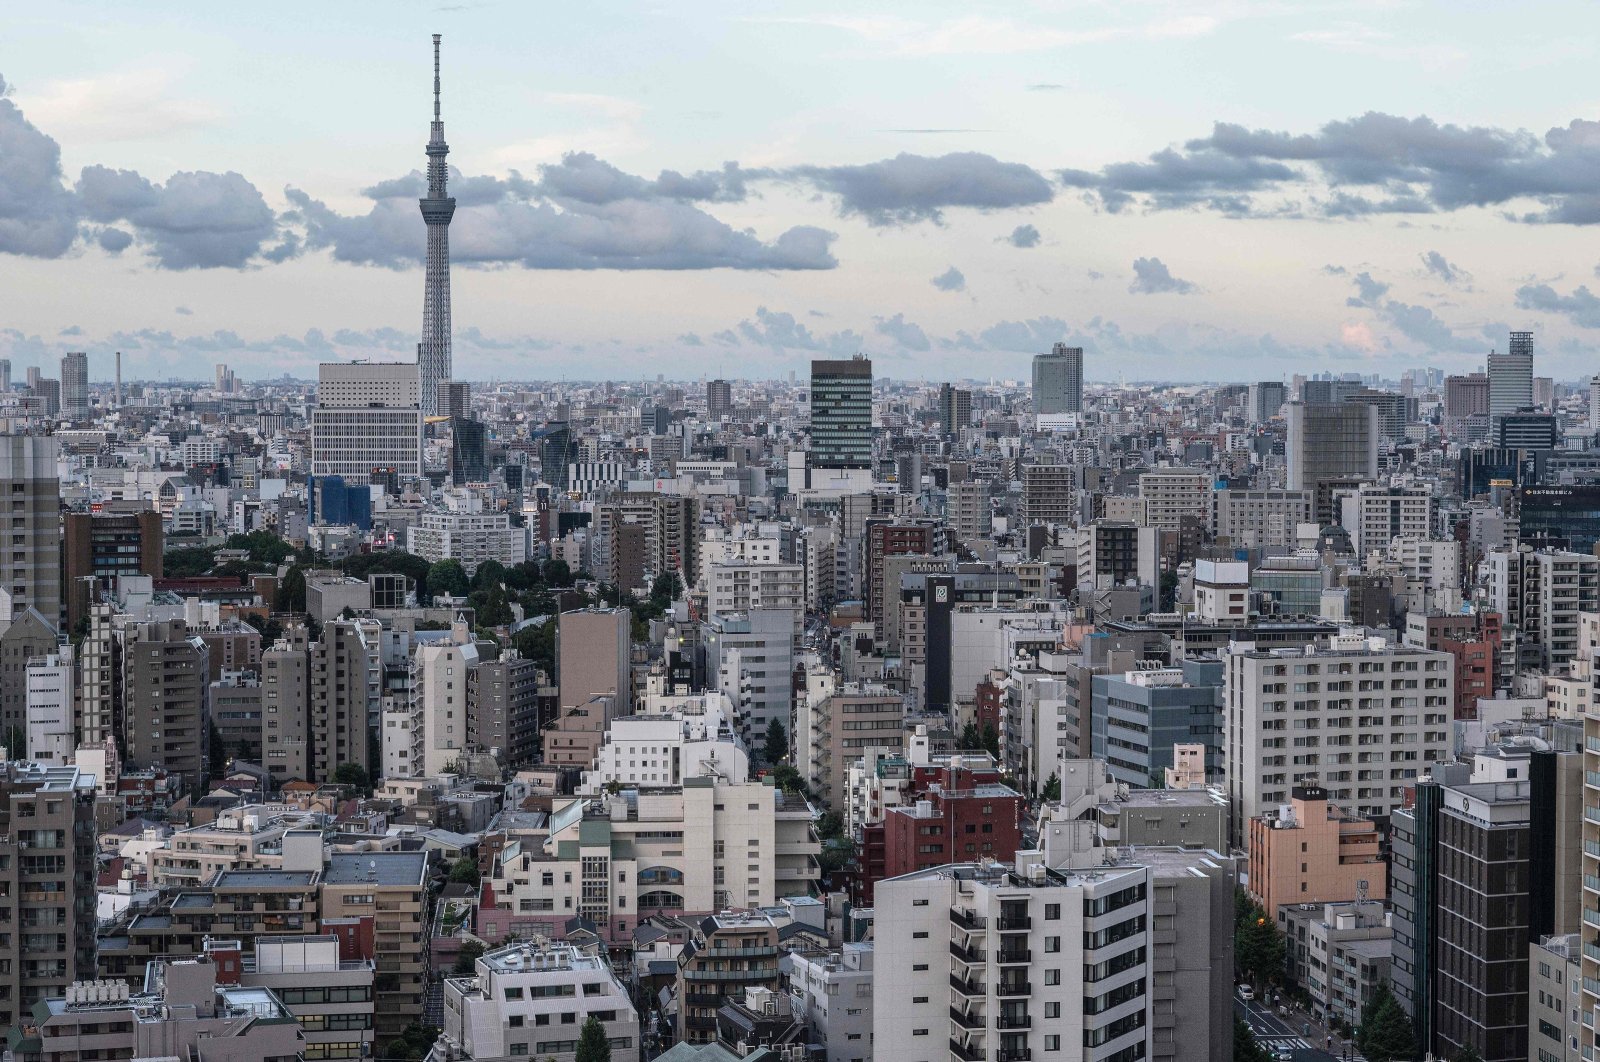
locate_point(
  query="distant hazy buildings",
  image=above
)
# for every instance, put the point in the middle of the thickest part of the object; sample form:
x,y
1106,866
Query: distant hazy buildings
x,y
75,386
1511,376
1057,383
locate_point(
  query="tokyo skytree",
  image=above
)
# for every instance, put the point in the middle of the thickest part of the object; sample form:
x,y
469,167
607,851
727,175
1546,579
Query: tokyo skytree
x,y
433,353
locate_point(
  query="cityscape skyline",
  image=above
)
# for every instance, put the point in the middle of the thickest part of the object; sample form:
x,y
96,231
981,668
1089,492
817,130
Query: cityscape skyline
x,y
1382,240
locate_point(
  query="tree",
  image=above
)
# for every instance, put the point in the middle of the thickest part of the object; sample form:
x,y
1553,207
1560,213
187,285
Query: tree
x,y
830,825
1052,789
777,743
464,870
264,547
593,1044
665,589
1257,944
292,591
353,775
788,779
837,853
971,740
1384,1034
490,607
1466,1053
448,577
217,750
186,562
991,740
557,573
1245,1048
537,642
467,957
491,573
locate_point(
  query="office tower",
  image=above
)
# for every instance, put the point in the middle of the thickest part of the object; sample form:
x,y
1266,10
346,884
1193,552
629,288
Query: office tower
x,y
955,410
75,386
556,452
1265,400
1526,430
1058,380
719,399
1254,519
31,570
1049,494
469,451
34,375
47,392
1544,392
455,400
1328,391
100,547
165,687
1465,396
368,416
1511,376
1173,494
841,414
5,375
1395,411
1400,734
1330,446
433,353
1141,714
47,885
117,397
1375,516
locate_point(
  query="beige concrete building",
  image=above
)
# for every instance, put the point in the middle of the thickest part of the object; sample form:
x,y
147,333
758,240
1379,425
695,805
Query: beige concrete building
x,y
835,723
392,888
1309,851
1171,494
593,648
30,567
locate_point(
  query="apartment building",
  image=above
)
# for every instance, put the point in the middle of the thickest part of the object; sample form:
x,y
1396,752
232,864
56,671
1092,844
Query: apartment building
x,y
165,687
503,707
1309,851
391,888
464,530
834,723
1339,953
737,586
671,738
47,884
699,847
1541,593
533,999
1376,515
1358,716
730,952
1259,519
1173,495
329,997
832,994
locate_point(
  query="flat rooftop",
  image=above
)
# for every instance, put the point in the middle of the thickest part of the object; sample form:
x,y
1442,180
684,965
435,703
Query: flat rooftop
x,y
376,868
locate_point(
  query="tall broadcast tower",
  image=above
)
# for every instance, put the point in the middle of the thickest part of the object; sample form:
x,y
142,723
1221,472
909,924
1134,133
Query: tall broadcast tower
x,y
433,353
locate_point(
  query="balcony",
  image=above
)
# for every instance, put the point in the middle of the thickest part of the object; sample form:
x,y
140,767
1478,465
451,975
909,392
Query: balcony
x,y
966,1054
966,920
966,1021
1014,1021
967,954
1015,923
1013,956
1021,1054
1013,989
967,986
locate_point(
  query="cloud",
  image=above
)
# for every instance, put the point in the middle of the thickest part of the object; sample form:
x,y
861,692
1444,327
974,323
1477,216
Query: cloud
x,y
183,311
71,330
1436,264
1372,164
114,241
912,188
689,339
591,227
782,331
582,177
1024,236
904,333
1582,307
1152,277
951,279
1368,291
985,35
1046,86
1335,270
194,220
38,214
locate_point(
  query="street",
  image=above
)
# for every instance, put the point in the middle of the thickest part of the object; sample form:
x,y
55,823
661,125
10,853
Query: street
x,y
1278,1034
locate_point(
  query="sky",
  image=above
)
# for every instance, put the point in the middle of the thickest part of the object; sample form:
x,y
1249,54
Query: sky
x,y
1229,190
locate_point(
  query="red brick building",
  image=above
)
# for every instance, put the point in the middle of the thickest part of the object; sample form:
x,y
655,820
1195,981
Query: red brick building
x,y
951,815
1474,640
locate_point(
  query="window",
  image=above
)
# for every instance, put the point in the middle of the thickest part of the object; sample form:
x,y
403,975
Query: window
x,y
921,935
1052,912
515,1021
1052,1010
919,1032
1052,1042
1052,977
918,967
1052,944
919,999
513,993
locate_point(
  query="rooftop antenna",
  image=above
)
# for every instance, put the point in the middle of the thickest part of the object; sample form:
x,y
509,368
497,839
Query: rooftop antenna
x,y
436,37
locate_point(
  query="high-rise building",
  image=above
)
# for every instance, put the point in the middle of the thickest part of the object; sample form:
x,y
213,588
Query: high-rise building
x,y
394,885
1058,380
433,353
5,375
1331,445
955,409
503,708
719,399
368,416
469,451
1511,376
1400,734
455,399
1265,400
165,688
1170,494
75,386
841,413
31,569
47,884
1594,403
100,547
1466,396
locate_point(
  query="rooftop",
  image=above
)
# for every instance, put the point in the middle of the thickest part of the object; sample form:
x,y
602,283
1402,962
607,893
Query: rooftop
x,y
378,868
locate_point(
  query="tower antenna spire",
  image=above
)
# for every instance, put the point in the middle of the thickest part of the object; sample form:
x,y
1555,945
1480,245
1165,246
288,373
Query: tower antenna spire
x,y
436,37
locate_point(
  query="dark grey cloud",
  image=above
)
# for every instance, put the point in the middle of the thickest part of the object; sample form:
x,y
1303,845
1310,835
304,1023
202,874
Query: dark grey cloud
x,y
951,279
512,224
1395,164
1024,236
1582,307
114,241
912,188
183,311
904,333
38,213
194,221
1335,270
582,177
1440,266
1152,277
1368,291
